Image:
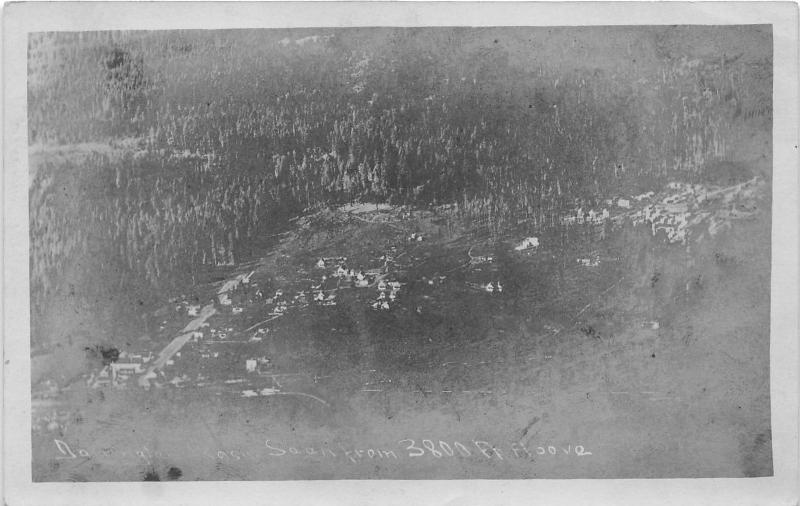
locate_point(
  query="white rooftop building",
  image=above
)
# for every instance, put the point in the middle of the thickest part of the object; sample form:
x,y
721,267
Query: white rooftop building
x,y
530,242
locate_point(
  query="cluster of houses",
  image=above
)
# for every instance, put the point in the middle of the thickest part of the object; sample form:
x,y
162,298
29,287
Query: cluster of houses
x,y
388,290
685,209
590,261
592,217
359,278
129,364
259,334
581,216
670,219
321,298
323,263
118,373
281,305
264,392
480,259
493,287
387,293
220,334
490,287
674,214
257,364
696,210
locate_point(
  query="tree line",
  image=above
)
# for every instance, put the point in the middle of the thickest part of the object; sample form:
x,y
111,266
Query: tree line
x,y
224,141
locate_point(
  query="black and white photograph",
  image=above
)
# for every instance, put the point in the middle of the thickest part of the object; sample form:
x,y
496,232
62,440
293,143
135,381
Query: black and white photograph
x,y
400,252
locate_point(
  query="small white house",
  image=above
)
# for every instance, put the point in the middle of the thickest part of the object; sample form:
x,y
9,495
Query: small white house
x,y
624,203
589,262
121,371
250,364
530,242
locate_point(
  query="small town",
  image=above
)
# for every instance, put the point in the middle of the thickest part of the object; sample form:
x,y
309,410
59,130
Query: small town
x,y
417,239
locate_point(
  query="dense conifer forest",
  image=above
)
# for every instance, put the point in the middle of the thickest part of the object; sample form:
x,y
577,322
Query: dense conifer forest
x,y
177,151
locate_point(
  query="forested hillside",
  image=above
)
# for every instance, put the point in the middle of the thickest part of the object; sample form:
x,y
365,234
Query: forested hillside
x,y
176,152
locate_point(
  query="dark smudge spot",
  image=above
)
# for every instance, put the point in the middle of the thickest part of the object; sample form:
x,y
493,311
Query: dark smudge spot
x,y
107,355
174,473
654,279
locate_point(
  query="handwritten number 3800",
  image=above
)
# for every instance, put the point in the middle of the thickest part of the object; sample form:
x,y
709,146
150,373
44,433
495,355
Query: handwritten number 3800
x,y
444,448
